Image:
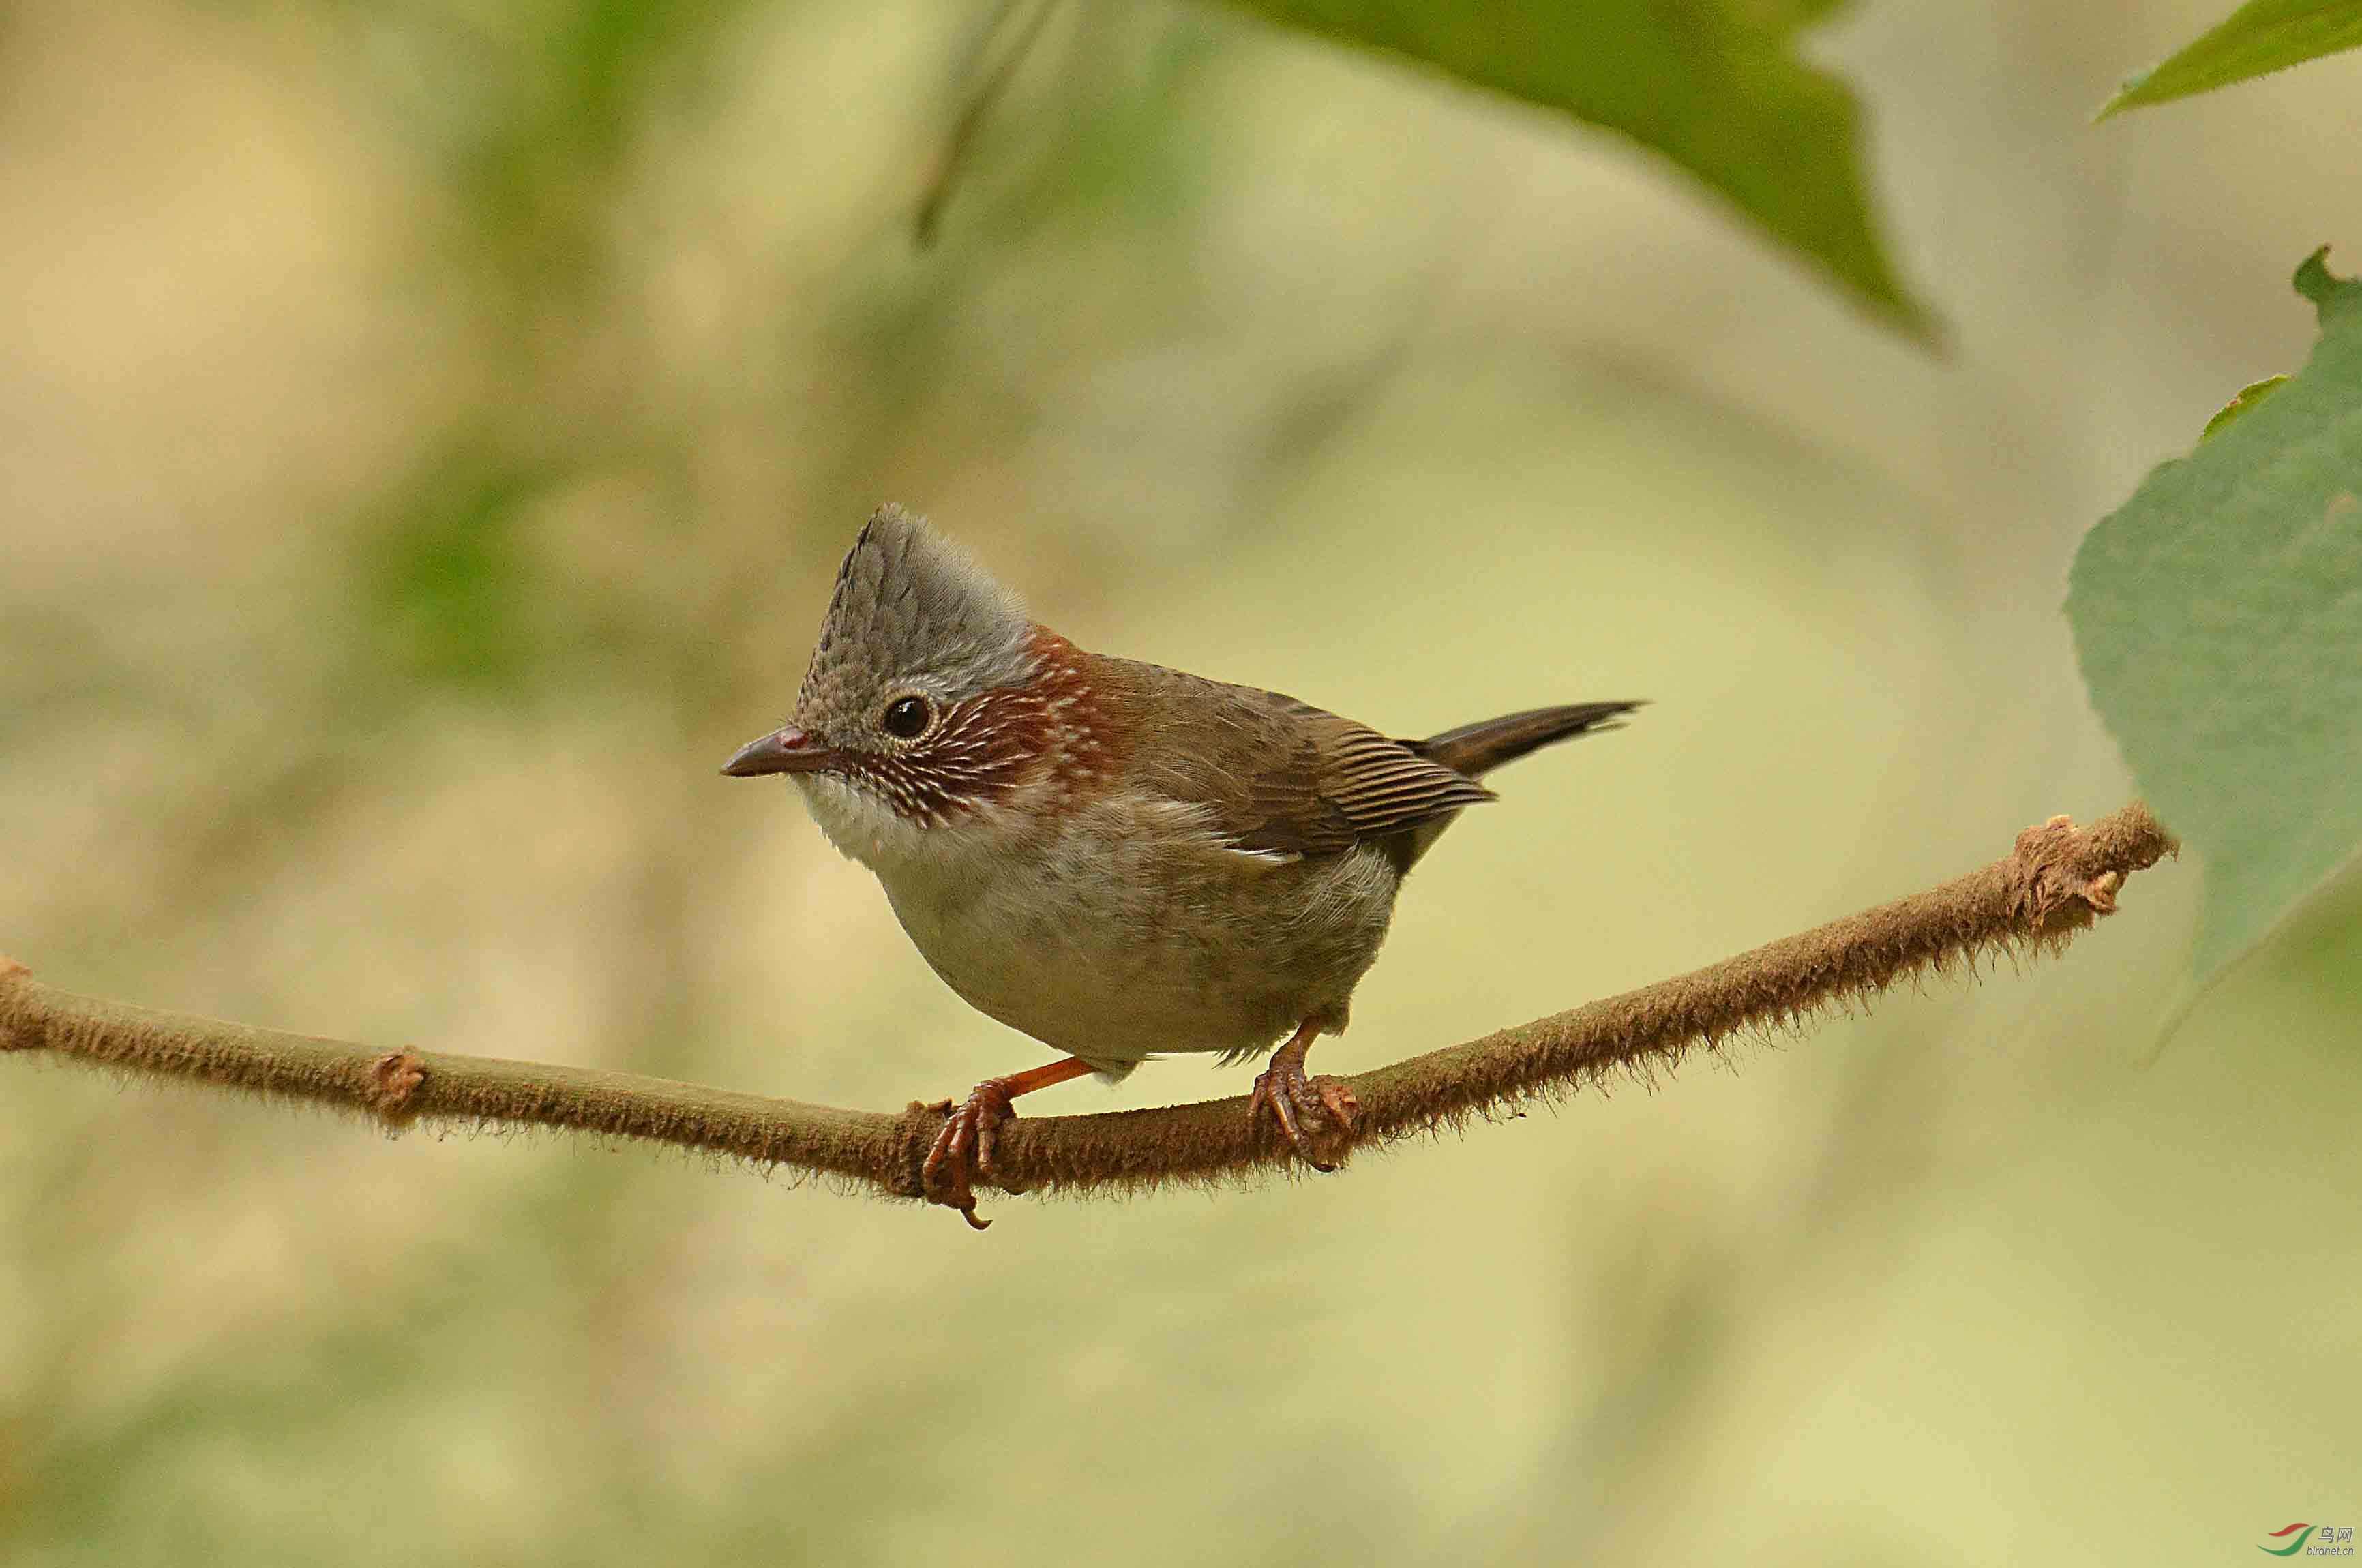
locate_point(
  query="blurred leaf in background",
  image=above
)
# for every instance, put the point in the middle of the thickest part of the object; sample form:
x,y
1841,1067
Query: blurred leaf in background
x,y
531,108
1716,86
2218,616
446,583
2260,37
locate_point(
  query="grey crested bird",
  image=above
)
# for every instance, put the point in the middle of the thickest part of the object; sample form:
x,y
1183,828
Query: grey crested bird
x,y
1118,859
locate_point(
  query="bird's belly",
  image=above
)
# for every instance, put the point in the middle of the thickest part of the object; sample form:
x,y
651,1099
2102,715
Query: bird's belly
x,y
1114,954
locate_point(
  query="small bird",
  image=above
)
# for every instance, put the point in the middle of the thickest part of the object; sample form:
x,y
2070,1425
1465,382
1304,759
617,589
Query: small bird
x,y
1118,859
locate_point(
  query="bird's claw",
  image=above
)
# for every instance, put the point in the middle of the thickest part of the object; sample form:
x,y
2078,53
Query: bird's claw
x,y
962,1153
1309,1110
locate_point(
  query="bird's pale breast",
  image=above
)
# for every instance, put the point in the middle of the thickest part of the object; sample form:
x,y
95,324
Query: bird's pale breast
x,y
1133,931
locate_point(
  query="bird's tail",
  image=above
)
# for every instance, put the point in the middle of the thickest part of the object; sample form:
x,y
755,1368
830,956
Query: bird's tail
x,y
1476,749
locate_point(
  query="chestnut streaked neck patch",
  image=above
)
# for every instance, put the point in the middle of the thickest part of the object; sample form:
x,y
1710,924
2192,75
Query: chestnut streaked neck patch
x,y
1079,740
1051,729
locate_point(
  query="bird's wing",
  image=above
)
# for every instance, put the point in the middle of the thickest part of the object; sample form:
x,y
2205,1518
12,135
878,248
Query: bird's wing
x,y
1279,777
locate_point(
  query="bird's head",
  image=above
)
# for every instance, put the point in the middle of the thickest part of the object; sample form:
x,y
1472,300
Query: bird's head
x,y
931,699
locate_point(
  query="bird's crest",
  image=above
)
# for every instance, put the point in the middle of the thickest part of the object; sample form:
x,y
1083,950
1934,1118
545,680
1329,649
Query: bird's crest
x,y
911,608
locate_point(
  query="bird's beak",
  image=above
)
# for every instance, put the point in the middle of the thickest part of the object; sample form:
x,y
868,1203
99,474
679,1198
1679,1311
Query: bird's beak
x,y
790,750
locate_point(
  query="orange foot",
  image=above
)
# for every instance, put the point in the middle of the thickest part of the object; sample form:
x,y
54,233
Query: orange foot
x,y
962,1153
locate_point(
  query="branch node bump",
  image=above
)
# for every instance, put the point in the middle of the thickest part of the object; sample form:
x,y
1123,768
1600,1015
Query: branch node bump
x,y
2048,889
396,1076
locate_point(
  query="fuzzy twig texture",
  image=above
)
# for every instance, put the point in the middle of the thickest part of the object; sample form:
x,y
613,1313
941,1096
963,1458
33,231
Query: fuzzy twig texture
x,y
2057,879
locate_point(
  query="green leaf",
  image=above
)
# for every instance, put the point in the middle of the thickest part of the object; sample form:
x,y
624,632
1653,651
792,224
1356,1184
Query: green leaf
x,y
2260,37
2249,395
2218,619
1715,85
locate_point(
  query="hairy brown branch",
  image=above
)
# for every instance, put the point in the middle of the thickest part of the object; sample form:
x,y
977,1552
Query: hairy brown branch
x,y
2055,881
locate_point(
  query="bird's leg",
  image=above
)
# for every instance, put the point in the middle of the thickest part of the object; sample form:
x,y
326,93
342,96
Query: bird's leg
x,y
963,1150
1301,1104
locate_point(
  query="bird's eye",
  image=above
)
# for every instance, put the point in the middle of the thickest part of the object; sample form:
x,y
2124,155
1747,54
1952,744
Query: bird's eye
x,y
907,718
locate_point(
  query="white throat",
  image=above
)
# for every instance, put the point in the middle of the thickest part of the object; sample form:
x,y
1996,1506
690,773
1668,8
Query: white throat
x,y
904,854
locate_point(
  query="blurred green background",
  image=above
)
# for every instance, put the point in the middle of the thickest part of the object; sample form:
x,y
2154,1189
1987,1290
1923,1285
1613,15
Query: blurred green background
x,y
427,432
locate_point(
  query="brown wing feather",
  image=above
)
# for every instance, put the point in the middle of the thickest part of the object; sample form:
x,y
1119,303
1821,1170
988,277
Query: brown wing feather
x,y
1382,785
1280,777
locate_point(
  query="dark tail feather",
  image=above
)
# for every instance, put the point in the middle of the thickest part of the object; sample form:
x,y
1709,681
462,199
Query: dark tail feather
x,y
1476,749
